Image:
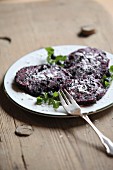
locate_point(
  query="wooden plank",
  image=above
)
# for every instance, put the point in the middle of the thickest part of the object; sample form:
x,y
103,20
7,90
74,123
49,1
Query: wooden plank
x,y
21,1
107,5
67,144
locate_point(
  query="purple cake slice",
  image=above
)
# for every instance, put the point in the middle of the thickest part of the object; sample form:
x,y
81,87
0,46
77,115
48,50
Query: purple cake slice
x,y
85,91
42,78
87,66
87,61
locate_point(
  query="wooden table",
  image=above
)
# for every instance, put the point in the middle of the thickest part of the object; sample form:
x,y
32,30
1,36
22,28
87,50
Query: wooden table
x,y
56,143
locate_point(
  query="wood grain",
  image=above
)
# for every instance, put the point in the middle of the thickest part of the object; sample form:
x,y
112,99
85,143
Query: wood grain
x,y
21,1
56,144
108,5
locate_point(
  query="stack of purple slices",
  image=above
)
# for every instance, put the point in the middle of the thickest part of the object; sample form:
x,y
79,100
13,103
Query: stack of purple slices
x,y
81,76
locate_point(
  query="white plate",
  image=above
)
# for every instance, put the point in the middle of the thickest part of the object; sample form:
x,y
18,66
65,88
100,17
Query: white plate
x,y
28,102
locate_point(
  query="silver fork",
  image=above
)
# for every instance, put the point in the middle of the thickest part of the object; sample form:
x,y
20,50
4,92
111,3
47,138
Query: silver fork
x,y
73,108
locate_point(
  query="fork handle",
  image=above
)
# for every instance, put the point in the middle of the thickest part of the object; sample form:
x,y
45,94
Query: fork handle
x,y
108,144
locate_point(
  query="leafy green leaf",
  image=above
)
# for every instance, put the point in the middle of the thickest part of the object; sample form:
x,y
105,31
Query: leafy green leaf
x,y
112,76
50,51
107,84
55,94
107,79
52,99
39,100
52,59
56,104
60,58
45,97
111,69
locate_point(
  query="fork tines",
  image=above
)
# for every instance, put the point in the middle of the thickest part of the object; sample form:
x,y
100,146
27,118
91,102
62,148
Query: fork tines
x,y
65,97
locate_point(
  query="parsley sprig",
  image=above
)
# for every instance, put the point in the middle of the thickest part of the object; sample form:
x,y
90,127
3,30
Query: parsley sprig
x,y
107,78
51,98
52,59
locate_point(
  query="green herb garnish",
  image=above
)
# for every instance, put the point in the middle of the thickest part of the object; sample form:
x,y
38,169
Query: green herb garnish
x,y
111,69
52,59
39,100
107,79
50,52
51,98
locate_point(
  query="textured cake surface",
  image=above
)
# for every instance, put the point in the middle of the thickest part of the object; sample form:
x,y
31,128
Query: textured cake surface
x,y
87,62
87,67
42,78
